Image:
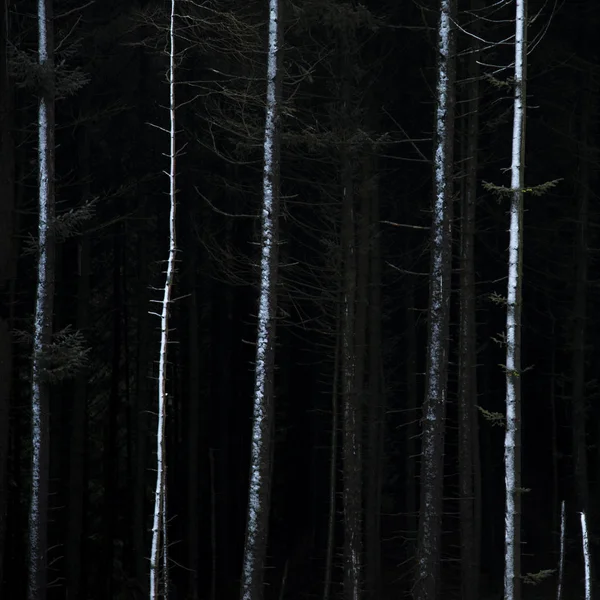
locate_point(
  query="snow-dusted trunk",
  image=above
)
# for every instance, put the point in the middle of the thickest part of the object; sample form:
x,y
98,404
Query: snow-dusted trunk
x,y
159,573
587,561
561,559
512,440
262,427
38,510
434,407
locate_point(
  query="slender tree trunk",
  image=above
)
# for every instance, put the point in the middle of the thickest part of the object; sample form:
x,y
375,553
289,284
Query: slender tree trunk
x,y
44,305
110,450
467,376
333,451
434,407
411,424
7,200
376,413
194,429
351,400
512,440
76,490
159,572
578,399
140,505
261,458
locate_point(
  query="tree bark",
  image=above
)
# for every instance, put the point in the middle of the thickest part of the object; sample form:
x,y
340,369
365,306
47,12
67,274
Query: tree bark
x,y
512,440
44,307
376,406
77,488
7,271
257,526
468,446
434,407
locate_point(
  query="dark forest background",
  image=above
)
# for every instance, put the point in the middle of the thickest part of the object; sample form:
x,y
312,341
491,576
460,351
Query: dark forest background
x,y
112,195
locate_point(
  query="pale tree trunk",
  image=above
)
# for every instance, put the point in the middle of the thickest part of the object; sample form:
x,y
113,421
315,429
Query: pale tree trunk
x,y
159,572
587,561
261,457
434,407
468,446
512,440
7,199
44,305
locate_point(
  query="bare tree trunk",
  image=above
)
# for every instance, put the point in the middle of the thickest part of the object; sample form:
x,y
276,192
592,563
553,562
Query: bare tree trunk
x,y
264,387
578,399
512,440
434,407
376,413
110,450
7,274
330,550
44,306
467,375
194,429
77,488
411,424
140,525
159,571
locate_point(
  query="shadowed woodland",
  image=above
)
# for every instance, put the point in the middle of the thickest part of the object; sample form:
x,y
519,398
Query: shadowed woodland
x,y
358,96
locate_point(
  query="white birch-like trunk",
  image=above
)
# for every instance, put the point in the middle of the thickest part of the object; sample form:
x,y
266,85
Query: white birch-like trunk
x,y
159,580
434,406
587,561
512,440
42,332
262,426
561,560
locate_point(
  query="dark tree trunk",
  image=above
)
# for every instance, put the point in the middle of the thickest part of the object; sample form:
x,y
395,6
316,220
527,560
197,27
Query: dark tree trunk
x,y
467,376
77,489
376,407
193,417
7,270
111,470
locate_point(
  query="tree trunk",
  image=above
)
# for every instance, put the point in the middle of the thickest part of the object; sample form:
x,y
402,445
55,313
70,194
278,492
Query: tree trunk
x,y
194,426
255,551
376,409
77,488
110,450
333,452
159,567
467,375
411,423
434,407
512,440
7,270
44,305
